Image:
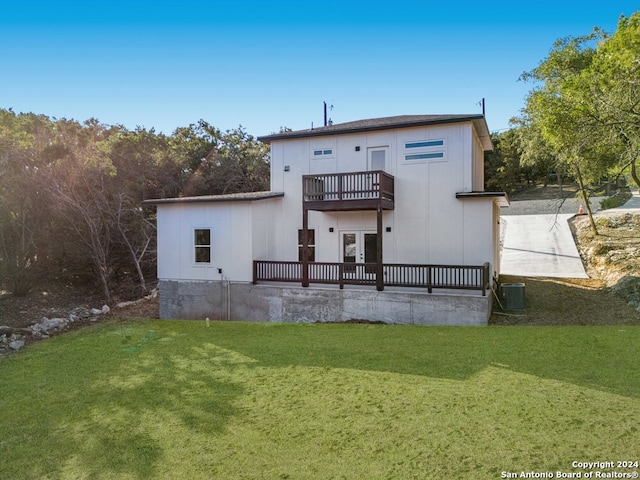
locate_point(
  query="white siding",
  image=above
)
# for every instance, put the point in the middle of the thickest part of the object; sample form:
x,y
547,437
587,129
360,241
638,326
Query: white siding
x,y
240,233
428,224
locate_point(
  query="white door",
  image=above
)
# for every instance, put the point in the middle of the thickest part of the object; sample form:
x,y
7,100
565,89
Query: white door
x,y
377,158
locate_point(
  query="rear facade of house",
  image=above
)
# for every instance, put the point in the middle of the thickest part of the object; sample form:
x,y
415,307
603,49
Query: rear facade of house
x,y
383,219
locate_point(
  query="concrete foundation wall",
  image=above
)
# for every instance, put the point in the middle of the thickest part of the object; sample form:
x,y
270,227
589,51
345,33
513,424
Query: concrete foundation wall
x,y
279,303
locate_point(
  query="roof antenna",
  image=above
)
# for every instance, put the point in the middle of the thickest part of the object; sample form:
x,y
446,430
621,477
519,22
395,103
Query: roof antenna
x,y
481,102
329,121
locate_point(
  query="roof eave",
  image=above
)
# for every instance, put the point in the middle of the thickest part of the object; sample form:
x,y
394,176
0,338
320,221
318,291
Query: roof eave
x,y
501,198
214,198
479,122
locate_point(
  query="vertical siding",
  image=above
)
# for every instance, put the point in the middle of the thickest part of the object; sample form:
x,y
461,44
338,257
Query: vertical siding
x,y
428,223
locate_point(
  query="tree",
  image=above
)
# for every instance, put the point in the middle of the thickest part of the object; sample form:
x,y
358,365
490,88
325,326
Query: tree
x,y
502,166
614,83
560,108
24,211
587,104
535,151
77,184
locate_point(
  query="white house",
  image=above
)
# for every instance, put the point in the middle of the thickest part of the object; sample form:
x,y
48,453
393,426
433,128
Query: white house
x,y
383,219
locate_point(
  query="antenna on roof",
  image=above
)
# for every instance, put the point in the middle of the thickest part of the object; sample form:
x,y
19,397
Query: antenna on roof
x,y
329,121
481,102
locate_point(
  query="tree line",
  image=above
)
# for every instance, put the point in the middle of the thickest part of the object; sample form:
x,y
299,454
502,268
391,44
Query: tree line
x,y
71,195
581,119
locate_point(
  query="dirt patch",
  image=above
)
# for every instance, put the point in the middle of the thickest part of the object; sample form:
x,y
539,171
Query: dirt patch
x,y
58,301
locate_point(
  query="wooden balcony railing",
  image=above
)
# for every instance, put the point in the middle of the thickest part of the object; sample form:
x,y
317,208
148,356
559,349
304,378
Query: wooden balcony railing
x,y
348,191
463,277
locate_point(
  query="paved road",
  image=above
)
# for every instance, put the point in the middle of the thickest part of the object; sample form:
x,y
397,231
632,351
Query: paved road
x,y
541,245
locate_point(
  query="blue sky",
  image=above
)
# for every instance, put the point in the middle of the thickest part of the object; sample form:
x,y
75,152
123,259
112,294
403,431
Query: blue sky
x,y
264,65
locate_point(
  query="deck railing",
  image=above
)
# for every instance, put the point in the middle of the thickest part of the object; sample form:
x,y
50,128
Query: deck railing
x,y
463,277
348,186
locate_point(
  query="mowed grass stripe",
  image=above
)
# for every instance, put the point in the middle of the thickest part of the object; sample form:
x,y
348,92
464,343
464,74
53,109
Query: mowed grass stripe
x,y
164,399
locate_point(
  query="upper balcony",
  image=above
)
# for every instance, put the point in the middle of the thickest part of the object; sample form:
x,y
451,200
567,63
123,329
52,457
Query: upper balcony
x,y
348,191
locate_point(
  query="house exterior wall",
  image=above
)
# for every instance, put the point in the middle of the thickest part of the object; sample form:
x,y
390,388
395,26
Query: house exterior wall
x,y
428,224
240,233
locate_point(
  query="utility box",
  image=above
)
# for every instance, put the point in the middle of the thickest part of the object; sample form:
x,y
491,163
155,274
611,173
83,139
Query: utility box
x,y
512,296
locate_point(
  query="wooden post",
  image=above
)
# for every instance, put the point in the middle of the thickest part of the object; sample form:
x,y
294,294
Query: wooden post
x,y
379,268
305,247
255,272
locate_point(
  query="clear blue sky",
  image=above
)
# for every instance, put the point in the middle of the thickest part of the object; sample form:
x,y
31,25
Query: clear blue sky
x,y
266,64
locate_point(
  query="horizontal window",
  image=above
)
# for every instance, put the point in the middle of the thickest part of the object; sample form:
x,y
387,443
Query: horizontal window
x,y
425,144
424,156
323,152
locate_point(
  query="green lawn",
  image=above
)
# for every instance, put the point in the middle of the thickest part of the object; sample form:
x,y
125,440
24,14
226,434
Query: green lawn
x,y
178,400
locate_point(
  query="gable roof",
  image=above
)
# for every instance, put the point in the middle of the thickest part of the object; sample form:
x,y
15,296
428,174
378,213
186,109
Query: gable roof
x,y
386,123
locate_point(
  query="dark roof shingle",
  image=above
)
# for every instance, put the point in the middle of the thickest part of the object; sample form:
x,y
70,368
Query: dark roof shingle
x,y
400,121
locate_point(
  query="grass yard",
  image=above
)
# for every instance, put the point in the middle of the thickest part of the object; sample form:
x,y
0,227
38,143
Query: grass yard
x,y
178,400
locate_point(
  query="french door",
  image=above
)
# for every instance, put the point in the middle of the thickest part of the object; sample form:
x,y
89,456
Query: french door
x,y
358,247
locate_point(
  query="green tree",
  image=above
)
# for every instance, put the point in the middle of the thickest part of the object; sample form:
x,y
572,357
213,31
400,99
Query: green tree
x,y
502,166
24,210
535,152
559,106
613,82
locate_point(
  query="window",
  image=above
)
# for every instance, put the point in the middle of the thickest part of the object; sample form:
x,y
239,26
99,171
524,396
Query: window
x,y
311,250
423,150
322,152
202,242
424,156
428,143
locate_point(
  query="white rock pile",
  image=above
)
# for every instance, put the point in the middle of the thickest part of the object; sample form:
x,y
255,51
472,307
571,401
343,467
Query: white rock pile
x,y
16,339
12,339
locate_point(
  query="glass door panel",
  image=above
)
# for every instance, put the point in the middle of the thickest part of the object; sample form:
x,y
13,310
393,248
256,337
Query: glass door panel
x,y
349,251
359,248
370,250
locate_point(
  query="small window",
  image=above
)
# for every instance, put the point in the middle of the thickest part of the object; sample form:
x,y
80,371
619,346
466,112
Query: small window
x,y
425,144
424,156
311,250
323,152
202,242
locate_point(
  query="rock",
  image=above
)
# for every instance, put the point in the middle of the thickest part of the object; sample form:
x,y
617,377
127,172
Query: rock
x,y
16,344
96,311
153,294
125,304
53,323
81,312
105,309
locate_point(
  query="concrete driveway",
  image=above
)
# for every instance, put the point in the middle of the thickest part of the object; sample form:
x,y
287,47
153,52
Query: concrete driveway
x,y
541,245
